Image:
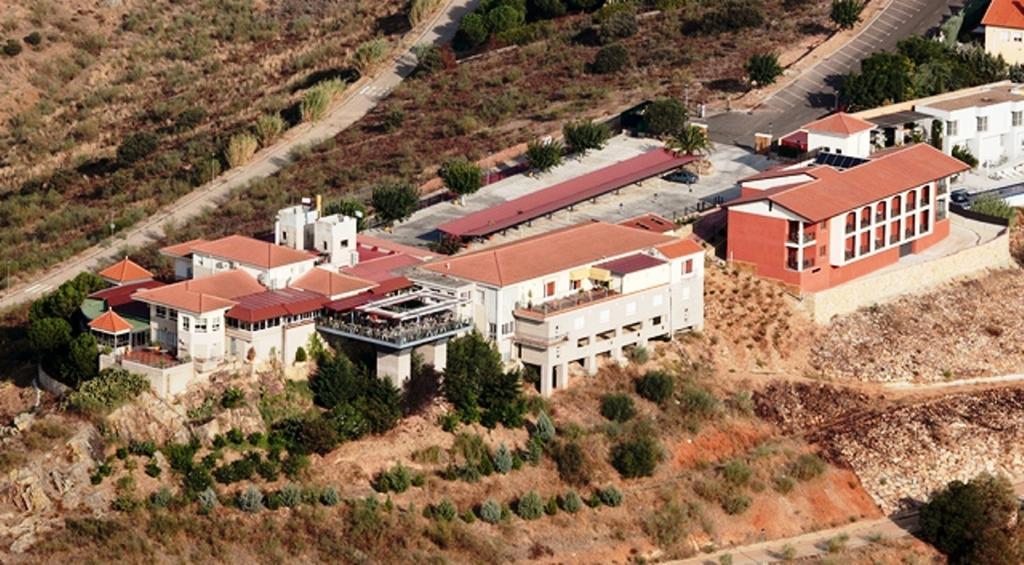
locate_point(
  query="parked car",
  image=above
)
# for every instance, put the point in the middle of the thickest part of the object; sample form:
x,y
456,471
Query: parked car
x,y
682,176
961,198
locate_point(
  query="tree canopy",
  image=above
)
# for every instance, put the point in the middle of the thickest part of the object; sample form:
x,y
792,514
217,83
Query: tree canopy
x,y
664,116
461,175
478,387
975,522
393,200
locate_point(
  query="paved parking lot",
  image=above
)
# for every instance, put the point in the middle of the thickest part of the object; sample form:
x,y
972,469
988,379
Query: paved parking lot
x,y
667,198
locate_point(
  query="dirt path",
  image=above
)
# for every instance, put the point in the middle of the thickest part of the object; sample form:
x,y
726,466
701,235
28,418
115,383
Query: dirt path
x,y
360,98
816,544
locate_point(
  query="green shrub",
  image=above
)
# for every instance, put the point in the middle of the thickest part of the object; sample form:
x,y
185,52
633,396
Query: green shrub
x,y
329,496
503,459
161,498
12,48
291,496
530,506
396,479
993,206
736,472
664,116
420,9
551,508
461,176
505,17
637,456
137,146
235,436
534,450
207,500
317,100
574,467
735,503
617,407
763,68
545,429
250,500
846,13
656,386
571,502
144,448
472,32
468,516
490,511
697,401
393,201
391,120
233,397
610,59
784,484
153,469
610,496
268,469
34,39
470,459
619,24
543,156
807,467
121,453
974,522
240,149
733,15
267,128
444,511
111,389
582,136
963,153
368,54
189,118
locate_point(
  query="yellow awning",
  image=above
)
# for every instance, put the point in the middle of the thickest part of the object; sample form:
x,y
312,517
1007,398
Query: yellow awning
x,y
598,274
579,274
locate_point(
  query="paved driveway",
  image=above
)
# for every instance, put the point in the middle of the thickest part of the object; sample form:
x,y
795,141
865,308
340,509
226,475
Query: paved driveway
x,y
813,93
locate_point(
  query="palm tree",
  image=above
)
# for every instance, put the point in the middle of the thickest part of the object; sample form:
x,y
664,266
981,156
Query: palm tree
x,y
691,140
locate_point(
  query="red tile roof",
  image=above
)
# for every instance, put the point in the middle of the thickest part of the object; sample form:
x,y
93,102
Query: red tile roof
x,y
547,253
565,194
241,249
881,177
630,264
387,245
386,287
120,295
680,248
330,283
205,294
274,303
815,171
124,271
382,268
183,249
839,123
1005,13
110,323
650,222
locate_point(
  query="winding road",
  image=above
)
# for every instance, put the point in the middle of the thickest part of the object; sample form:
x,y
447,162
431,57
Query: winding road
x,y
812,94
359,99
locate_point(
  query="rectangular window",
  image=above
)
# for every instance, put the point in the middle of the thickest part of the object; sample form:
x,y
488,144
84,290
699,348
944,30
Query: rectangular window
x,y
161,312
215,325
575,284
951,128
982,123
657,300
493,329
549,288
688,266
172,314
184,323
1018,118
506,328
656,321
200,326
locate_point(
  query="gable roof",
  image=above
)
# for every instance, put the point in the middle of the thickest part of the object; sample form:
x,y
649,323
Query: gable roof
x,y
202,295
908,167
120,295
274,303
183,249
330,283
241,249
1005,13
124,271
839,123
110,322
680,248
650,222
549,252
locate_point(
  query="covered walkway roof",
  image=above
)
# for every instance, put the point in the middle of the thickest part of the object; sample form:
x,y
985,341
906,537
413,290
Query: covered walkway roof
x,y
565,194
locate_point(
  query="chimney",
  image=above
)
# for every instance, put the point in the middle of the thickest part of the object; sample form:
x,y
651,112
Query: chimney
x,y
319,205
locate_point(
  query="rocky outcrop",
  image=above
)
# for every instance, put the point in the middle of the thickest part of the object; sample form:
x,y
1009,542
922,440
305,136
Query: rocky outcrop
x,y
797,407
246,419
148,418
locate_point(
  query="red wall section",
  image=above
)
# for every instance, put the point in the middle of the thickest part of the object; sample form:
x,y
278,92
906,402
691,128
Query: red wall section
x,y
940,232
762,241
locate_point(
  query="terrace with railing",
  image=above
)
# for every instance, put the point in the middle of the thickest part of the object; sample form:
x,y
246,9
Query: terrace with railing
x,y
558,305
397,335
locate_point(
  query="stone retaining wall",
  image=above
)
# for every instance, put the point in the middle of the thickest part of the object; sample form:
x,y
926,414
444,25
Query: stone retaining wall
x,y
50,384
873,289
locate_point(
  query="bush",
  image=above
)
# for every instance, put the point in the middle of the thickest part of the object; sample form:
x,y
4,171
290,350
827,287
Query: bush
x,y
610,496
656,386
329,496
551,508
545,430
583,136
392,120
268,128
368,54
235,436
12,48
111,389
240,149
846,13
291,496
490,511
189,118
733,15
207,500
543,156
461,176
137,146
571,502
144,448
396,479
394,201
250,500
637,456
444,511
784,484
610,59
964,154
763,68
233,397
617,407
807,467
736,472
664,116
621,23
34,39
503,459
993,206
639,355
974,522
161,498
317,100
472,32
153,469
530,506
420,9
504,17
574,467
735,503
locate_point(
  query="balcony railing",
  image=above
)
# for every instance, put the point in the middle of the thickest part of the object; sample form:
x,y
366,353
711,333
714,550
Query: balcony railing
x,y
880,216
567,302
879,243
850,254
397,335
909,233
794,237
540,342
793,265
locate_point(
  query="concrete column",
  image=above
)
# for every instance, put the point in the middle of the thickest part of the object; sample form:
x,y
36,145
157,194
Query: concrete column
x,y
562,375
546,371
395,365
590,364
435,354
617,355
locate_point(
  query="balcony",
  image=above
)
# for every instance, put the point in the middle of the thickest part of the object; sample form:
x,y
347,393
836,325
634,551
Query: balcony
x,y
849,254
563,304
909,233
911,206
794,237
894,239
880,243
880,217
401,335
541,342
794,265
850,227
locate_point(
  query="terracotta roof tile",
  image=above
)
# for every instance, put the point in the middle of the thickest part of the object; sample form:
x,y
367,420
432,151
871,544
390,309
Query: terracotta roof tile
x,y
124,271
110,322
630,264
183,249
680,248
546,253
251,251
1005,13
274,303
650,222
839,123
330,283
205,294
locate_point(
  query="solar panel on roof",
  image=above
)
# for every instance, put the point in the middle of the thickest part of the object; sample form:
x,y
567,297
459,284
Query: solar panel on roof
x,y
839,161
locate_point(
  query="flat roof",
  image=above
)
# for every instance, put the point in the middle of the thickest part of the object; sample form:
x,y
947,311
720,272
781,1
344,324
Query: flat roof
x,y
898,118
565,194
981,99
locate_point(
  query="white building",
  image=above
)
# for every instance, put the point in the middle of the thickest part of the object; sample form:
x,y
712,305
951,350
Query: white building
x,y
989,123
274,266
1004,30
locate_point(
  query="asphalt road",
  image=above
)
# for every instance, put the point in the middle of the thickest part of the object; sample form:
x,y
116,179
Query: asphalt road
x,y
359,100
812,94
